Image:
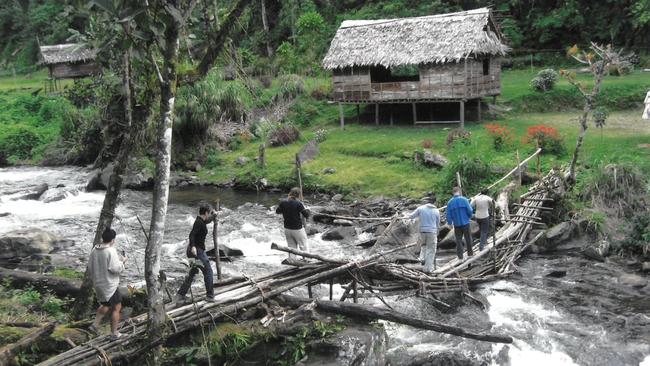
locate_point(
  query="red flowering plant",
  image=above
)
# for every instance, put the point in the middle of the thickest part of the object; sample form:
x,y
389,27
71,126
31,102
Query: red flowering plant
x,y
501,135
546,137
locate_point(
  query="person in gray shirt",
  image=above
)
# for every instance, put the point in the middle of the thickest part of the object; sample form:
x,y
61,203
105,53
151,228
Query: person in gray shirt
x,y
429,223
105,266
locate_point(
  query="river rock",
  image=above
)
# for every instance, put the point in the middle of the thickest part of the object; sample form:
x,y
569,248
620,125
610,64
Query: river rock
x,y
26,242
337,197
597,251
311,230
632,280
5,214
329,171
559,234
645,267
343,222
340,233
35,193
241,160
136,180
357,344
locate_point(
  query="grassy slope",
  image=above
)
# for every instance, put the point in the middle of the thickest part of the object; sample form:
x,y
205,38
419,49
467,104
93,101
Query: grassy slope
x,y
372,161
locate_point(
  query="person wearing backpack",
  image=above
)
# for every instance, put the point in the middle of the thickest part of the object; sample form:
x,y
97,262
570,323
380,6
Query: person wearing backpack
x,y
196,249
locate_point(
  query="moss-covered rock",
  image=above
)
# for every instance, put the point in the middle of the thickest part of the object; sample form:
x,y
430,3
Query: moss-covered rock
x,y
12,334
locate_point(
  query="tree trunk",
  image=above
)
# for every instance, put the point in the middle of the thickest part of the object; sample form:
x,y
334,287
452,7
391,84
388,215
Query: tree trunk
x,y
83,301
161,188
59,286
267,33
372,312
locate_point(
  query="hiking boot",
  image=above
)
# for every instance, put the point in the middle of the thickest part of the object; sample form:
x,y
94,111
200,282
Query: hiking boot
x,y
210,299
116,336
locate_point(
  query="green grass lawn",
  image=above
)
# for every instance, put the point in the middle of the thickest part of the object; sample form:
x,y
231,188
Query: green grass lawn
x,y
372,161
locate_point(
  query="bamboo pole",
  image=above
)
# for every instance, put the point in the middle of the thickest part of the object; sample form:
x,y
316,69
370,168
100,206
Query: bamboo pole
x,y
215,230
519,167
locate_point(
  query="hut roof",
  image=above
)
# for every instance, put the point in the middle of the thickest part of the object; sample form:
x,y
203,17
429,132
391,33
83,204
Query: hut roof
x,y
66,53
411,41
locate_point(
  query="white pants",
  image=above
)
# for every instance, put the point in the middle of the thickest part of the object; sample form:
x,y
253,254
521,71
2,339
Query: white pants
x,y
296,239
428,242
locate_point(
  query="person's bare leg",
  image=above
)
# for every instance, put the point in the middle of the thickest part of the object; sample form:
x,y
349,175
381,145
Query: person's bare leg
x,y
115,318
101,311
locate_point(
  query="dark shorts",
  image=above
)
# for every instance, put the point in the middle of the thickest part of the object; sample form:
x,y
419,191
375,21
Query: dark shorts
x,y
114,300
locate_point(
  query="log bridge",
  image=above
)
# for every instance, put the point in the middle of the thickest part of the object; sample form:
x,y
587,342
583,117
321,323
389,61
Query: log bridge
x,y
373,276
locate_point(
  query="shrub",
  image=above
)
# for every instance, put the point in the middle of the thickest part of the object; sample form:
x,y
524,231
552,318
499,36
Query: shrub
x,y
29,296
458,134
545,80
17,141
501,135
320,135
427,144
213,159
322,92
599,116
473,173
291,86
283,134
638,241
286,59
547,138
303,113
53,306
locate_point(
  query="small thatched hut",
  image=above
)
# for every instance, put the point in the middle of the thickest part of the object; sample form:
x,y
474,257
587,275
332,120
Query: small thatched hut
x,y
69,61
432,59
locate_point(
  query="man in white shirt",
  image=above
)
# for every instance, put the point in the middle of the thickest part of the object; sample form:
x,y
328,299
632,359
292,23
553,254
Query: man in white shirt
x,y
481,205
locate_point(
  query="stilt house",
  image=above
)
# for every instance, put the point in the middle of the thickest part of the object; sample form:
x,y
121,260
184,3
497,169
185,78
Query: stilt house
x,y
68,61
445,58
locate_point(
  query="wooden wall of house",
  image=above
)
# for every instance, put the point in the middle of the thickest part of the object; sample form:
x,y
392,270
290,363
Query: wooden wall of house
x,y
437,81
71,71
351,83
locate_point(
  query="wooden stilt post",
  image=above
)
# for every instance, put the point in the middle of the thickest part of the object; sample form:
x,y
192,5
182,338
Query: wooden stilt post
x,y
462,114
376,114
358,114
480,117
415,114
355,297
309,291
391,114
341,116
215,229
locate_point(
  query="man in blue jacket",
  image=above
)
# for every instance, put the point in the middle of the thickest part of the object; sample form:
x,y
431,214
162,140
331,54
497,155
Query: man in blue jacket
x,y
459,212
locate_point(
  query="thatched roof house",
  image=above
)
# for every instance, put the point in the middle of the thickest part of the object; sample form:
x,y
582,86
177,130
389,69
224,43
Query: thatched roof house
x,y
422,59
69,61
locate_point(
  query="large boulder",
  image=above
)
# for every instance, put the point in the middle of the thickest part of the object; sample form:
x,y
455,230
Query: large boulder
x,y
34,193
27,242
558,234
133,179
357,344
597,251
448,241
632,280
340,233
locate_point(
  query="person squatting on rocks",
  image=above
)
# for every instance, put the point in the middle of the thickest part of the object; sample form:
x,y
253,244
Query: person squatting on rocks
x,y
196,250
459,212
294,231
105,266
482,204
429,223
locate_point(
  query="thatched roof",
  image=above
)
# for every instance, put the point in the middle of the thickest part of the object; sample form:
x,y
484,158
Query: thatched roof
x,y
411,41
66,53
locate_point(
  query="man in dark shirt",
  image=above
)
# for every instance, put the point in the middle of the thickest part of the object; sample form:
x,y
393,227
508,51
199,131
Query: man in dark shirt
x,y
291,209
196,249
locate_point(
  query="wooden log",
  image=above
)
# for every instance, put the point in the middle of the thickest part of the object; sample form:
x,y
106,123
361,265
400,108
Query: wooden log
x,y
301,253
60,286
8,352
371,312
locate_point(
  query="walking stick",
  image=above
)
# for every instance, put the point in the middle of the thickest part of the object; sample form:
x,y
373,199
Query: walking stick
x,y
215,228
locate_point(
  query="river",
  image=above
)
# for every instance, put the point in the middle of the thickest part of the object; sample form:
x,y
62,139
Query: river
x,y
582,318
